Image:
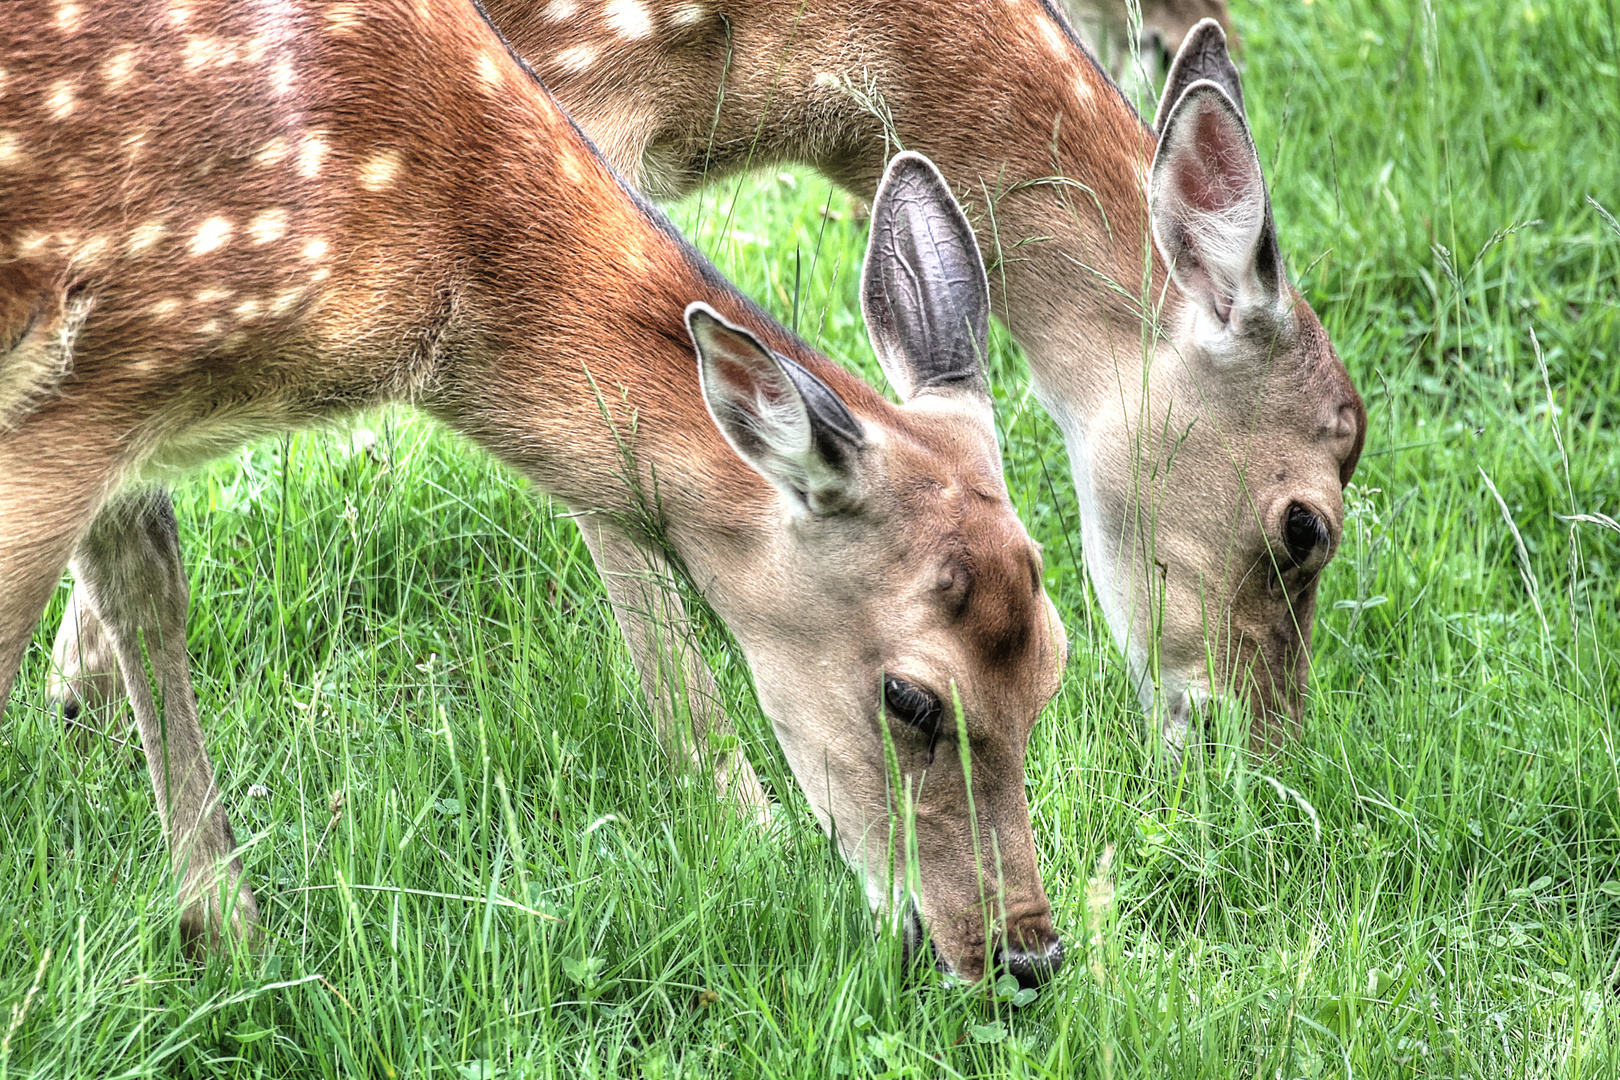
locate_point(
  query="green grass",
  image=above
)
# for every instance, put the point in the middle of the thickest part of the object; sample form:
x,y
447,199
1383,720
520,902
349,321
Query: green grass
x,y
469,849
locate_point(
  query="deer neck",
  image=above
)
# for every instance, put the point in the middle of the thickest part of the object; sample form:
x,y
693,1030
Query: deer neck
x,y
546,300
583,376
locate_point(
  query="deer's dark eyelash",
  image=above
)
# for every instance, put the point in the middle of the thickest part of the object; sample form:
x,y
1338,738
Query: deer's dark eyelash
x,y
1304,533
910,703
915,707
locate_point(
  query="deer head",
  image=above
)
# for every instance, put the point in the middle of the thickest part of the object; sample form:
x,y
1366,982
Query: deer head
x,y
904,603
1211,493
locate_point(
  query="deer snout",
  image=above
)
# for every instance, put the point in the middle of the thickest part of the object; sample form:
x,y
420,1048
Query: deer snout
x,y
1031,952
1276,692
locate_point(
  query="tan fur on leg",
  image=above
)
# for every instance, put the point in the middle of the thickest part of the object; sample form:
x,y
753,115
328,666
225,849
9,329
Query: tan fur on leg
x,y
677,682
131,573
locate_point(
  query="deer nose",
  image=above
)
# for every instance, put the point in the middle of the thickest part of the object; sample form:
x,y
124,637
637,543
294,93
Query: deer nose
x,y
1033,959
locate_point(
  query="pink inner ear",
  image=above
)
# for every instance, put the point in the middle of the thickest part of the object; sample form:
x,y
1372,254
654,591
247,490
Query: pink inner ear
x,y
1215,175
740,382
736,380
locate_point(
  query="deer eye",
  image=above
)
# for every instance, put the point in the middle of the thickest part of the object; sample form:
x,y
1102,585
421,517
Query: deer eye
x,y
1306,535
911,704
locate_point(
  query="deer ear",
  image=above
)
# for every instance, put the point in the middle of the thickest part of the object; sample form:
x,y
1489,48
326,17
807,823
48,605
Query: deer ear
x,y
789,425
1202,56
1210,210
923,290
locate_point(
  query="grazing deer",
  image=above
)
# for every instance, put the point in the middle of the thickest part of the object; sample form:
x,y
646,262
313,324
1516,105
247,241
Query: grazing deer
x,y
1210,425
221,219
1105,26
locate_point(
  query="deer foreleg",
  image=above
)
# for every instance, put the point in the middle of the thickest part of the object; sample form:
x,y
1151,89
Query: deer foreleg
x,y
132,580
677,682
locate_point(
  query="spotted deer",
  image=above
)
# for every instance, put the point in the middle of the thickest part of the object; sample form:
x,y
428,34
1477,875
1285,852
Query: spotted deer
x,y
222,219
1210,425
1138,45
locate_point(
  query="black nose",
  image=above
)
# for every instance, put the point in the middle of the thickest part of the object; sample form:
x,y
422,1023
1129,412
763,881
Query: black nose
x,y
1031,966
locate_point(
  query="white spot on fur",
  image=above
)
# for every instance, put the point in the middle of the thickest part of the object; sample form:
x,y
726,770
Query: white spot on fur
x,y
120,66
202,51
145,235
281,76
179,12
344,18
558,10
629,18
381,170
60,101
272,153
248,309
311,153
827,80
487,71
1082,87
93,249
1056,43
210,328
213,296
12,155
269,225
30,241
688,15
69,17
286,301
164,308
315,249
213,234
576,59
570,167
320,275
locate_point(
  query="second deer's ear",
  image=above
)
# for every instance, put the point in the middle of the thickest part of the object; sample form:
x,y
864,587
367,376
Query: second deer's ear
x,y
923,289
791,427
1211,212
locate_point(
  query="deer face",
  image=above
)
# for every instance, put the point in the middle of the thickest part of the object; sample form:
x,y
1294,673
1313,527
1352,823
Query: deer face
x,y
900,603
1210,497
1215,503
1166,23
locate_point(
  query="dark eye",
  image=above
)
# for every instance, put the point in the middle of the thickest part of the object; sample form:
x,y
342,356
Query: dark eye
x,y
1305,534
911,704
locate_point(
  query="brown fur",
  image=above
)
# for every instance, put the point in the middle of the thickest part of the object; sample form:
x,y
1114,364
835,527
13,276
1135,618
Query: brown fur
x,y
257,216
1054,162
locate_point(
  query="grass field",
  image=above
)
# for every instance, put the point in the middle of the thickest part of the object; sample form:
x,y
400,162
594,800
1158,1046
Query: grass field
x,y
474,861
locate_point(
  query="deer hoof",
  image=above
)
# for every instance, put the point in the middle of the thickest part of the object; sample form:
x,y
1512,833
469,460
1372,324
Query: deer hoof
x,y
208,928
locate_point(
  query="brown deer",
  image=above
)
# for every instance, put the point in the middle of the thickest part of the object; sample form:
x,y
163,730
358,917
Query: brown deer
x,y
1209,423
220,219
1139,58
